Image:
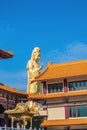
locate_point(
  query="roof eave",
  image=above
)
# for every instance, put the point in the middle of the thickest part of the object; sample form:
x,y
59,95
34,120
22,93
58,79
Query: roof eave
x,y
5,54
65,122
47,79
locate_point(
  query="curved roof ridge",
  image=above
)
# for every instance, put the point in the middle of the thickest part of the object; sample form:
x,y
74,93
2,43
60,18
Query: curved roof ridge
x,y
50,64
7,88
68,63
5,54
42,72
67,69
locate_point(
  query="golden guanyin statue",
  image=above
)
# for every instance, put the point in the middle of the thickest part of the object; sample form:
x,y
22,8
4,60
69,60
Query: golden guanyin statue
x,y
34,70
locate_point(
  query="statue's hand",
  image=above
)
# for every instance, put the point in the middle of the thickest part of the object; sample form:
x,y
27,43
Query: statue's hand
x,y
41,66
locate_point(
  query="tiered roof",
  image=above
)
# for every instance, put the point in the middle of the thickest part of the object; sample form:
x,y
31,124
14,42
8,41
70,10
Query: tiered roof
x,y
58,95
5,54
12,90
65,122
63,70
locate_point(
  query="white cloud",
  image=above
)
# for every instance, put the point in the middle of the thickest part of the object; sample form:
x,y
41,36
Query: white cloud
x,y
77,48
73,51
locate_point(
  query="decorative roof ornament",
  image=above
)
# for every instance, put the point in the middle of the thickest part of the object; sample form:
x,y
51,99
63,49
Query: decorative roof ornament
x,y
49,63
28,108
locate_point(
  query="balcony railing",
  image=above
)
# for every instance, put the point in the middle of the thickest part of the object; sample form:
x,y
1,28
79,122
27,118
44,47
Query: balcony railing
x,y
10,128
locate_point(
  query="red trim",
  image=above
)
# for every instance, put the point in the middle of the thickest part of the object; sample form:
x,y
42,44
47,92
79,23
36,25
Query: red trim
x,y
7,102
5,54
44,88
65,85
66,111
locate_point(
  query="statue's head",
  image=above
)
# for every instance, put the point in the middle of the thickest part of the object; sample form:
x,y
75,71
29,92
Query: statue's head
x,y
36,54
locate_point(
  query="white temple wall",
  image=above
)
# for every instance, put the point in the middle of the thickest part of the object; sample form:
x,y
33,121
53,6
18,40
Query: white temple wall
x,y
56,113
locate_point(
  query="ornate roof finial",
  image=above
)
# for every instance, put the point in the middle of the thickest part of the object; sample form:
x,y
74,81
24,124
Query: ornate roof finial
x,y
49,63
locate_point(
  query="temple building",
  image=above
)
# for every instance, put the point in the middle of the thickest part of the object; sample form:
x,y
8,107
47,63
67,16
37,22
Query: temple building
x,y
65,96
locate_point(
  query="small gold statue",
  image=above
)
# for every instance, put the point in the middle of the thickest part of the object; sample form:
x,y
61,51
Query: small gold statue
x,y
29,107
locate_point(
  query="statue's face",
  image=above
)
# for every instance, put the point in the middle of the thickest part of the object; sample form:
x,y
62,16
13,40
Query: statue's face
x,y
37,56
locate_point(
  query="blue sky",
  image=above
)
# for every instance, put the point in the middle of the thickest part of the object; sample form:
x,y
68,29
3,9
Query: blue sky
x,y
58,27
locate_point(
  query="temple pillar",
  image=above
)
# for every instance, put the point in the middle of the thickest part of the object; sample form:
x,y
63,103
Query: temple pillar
x,y
44,88
65,85
66,100
12,122
31,123
67,128
45,117
5,115
15,101
66,111
24,124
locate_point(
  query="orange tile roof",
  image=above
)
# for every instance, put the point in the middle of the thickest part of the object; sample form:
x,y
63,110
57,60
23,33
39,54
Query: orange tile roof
x,y
12,90
64,70
5,54
66,122
36,96
58,95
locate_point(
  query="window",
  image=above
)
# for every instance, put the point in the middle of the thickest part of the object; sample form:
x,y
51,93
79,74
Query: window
x,y
77,85
53,88
78,111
